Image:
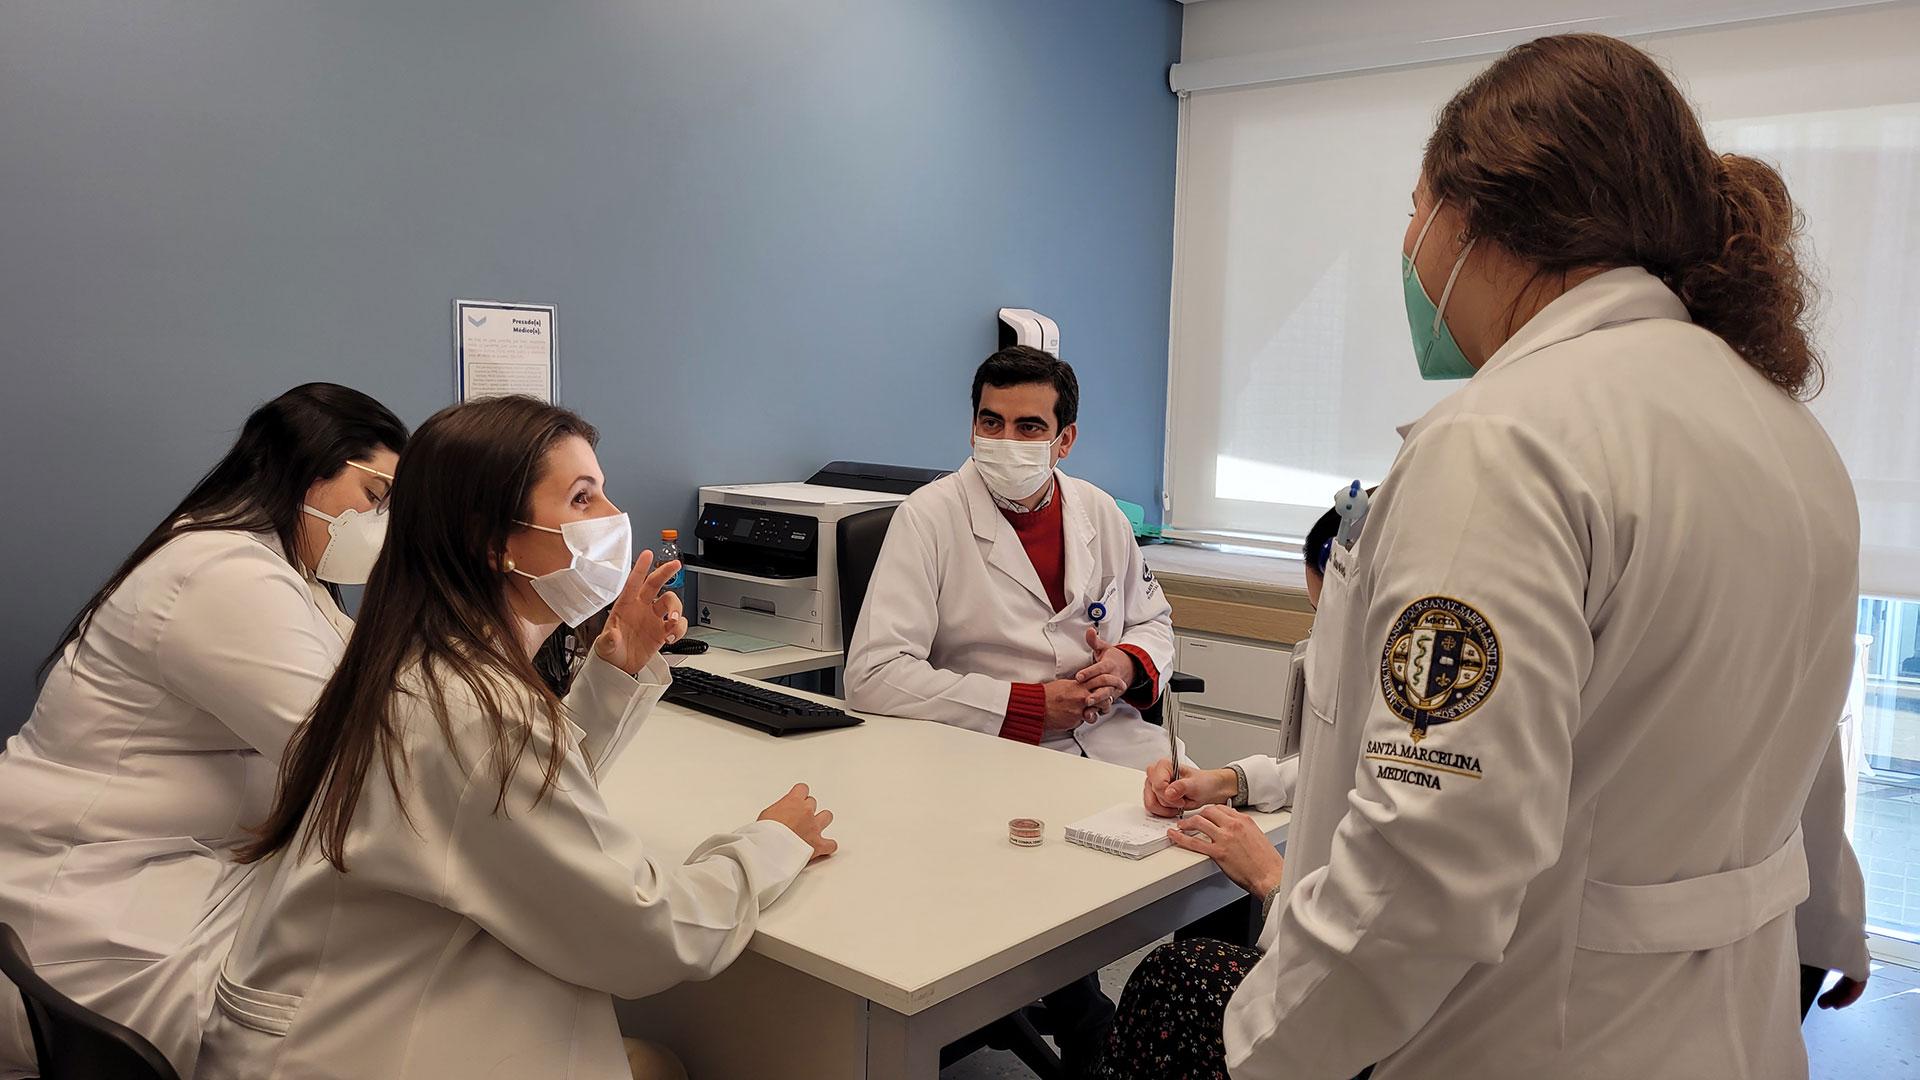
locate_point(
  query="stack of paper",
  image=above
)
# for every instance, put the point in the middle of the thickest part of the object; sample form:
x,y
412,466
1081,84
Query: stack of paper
x,y
1126,830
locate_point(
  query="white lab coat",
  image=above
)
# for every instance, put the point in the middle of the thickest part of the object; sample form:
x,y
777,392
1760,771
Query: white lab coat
x,y
151,750
1588,865
1270,780
956,614
466,940
1832,924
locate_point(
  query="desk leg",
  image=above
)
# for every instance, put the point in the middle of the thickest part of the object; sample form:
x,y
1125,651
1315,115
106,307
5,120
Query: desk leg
x,y
899,1049
908,1047
758,1020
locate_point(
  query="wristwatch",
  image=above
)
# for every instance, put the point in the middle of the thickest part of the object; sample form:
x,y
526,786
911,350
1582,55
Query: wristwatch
x,y
1239,800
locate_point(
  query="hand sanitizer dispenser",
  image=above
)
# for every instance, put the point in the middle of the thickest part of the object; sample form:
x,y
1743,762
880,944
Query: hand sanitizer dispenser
x,y
1025,326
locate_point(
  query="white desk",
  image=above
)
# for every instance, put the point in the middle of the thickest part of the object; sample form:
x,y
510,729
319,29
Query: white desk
x,y
928,924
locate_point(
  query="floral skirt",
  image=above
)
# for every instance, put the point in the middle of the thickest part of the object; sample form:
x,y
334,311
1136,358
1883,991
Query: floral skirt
x,y
1172,1012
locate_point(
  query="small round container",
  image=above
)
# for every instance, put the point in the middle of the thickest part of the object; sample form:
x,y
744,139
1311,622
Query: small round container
x,y
1026,832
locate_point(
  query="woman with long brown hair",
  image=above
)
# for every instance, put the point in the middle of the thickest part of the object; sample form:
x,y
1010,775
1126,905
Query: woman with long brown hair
x,y
163,712
1575,675
444,892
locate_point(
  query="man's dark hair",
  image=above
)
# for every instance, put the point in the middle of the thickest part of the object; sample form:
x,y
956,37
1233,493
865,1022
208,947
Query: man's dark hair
x,y
1319,543
1018,365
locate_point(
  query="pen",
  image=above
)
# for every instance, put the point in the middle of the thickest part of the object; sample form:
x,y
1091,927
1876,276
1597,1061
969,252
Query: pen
x,y
1173,746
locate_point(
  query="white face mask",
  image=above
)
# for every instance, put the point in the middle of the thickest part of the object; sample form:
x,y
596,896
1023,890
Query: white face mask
x,y
353,543
1013,468
353,538
602,550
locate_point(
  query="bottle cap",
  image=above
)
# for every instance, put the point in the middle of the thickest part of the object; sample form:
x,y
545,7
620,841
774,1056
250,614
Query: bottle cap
x,y
1026,832
669,534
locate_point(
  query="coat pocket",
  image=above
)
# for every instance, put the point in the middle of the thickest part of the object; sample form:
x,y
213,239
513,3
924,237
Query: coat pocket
x,y
264,1011
126,900
1330,633
1693,914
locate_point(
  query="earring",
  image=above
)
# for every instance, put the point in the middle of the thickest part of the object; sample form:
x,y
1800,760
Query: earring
x,y
507,567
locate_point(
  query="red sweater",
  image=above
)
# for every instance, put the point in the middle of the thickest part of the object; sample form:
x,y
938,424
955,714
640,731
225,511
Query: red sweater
x,y
1043,535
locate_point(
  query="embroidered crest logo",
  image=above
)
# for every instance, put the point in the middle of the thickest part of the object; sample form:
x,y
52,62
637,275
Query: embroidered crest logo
x,y
1441,662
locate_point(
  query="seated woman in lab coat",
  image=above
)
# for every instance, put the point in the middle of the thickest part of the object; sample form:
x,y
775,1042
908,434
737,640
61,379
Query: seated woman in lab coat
x,y
1260,781
443,891
164,710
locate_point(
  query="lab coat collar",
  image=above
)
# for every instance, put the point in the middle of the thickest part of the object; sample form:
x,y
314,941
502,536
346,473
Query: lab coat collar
x,y
317,590
1004,550
1621,295
1079,538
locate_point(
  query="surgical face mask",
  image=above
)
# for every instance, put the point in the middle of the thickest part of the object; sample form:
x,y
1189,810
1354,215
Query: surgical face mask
x,y
602,550
1433,345
353,539
1013,468
353,543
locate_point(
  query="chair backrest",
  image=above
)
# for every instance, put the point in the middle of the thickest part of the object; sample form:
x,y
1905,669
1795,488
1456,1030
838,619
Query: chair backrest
x,y
1178,682
71,1041
859,537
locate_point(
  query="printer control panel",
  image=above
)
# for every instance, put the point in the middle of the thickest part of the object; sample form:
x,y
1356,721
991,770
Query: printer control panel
x,y
765,529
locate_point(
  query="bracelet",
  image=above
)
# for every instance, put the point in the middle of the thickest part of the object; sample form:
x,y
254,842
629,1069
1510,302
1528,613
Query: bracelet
x,y
1266,904
1239,800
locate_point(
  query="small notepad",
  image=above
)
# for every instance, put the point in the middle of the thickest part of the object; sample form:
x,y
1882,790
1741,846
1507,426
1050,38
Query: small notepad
x,y
1126,830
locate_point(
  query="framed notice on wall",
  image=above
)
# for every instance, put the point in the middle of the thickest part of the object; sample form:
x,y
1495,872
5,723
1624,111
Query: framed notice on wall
x,y
501,348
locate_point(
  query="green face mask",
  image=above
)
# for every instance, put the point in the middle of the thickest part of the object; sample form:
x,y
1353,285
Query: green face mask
x,y
1433,345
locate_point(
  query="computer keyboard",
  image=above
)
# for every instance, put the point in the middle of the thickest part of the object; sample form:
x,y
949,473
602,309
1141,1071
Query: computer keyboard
x,y
755,706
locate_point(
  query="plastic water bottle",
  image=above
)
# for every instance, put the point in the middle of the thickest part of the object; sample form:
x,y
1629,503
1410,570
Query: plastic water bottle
x,y
669,551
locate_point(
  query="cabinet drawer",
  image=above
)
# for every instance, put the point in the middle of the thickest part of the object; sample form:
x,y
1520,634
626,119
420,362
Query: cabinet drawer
x,y
1247,679
1213,741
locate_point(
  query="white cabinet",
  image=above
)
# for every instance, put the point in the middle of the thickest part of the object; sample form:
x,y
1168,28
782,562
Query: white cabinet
x,y
1213,740
1243,709
1250,680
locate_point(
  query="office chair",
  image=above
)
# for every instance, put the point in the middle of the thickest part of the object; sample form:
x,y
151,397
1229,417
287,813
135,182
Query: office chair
x,y
1178,682
859,537
71,1041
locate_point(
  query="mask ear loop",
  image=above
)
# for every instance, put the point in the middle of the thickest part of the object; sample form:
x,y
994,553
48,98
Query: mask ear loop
x,y
1422,238
1451,277
1458,265
512,569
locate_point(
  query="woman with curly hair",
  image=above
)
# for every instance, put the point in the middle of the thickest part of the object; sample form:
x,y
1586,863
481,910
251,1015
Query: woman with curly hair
x,y
1574,678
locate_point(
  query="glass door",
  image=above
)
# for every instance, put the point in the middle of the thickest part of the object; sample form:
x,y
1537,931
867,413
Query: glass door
x,y
1886,818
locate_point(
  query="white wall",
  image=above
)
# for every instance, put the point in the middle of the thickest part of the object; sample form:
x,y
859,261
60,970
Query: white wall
x,y
1237,42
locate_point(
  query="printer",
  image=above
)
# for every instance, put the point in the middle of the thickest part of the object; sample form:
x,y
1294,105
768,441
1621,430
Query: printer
x,y
768,559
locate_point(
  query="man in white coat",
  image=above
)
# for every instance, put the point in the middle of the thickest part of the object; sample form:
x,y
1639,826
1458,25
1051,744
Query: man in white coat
x,y
1011,599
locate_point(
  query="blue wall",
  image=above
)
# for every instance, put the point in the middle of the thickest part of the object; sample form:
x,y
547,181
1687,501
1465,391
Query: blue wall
x,y
776,232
